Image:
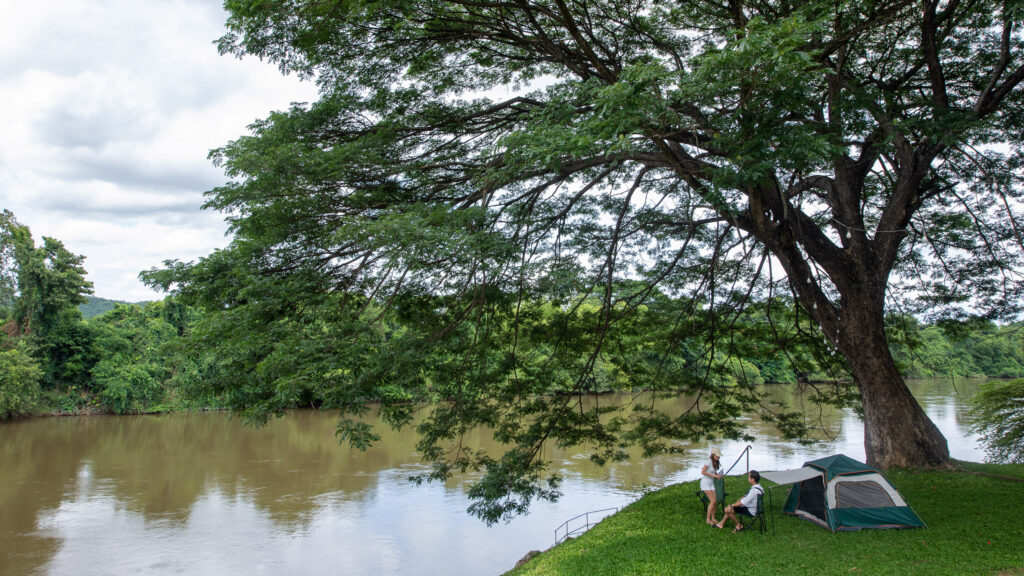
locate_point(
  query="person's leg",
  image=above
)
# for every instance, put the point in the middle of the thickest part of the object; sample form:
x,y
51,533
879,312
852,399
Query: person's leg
x,y
735,518
712,503
737,515
728,514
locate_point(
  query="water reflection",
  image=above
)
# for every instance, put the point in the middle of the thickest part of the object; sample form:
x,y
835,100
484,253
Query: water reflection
x,y
201,494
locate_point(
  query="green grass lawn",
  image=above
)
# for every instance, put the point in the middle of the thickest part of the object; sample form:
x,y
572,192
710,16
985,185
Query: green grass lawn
x,y
975,526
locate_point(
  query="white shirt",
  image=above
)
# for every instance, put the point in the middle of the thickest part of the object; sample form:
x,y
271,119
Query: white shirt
x,y
750,500
707,482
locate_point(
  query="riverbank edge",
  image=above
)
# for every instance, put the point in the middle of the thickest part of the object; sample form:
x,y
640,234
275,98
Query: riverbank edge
x,y
81,402
88,412
73,402
662,533
78,402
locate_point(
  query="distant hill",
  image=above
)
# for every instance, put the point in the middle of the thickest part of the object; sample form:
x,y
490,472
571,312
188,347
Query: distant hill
x,y
94,306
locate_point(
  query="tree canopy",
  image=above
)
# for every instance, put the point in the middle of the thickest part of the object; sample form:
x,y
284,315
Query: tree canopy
x,y
470,163
999,412
43,340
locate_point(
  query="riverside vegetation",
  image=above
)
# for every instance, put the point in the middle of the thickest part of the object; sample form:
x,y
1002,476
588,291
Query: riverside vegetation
x,y
151,357
502,207
170,356
468,164
972,516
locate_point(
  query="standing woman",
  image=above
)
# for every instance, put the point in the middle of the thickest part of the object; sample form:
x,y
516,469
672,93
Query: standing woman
x,y
712,469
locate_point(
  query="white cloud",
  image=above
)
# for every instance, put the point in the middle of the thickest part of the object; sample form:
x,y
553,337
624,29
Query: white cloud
x,y
110,109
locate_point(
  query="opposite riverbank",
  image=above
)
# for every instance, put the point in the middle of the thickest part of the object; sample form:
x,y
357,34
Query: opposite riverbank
x,y
975,519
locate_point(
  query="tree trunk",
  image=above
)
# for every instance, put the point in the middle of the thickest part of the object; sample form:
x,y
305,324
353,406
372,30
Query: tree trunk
x,y
897,432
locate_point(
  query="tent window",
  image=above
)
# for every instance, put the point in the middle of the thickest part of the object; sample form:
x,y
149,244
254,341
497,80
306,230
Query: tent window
x,y
852,494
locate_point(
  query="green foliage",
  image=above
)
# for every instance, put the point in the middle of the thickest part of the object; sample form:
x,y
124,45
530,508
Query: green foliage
x,y
999,420
40,289
66,351
491,496
951,349
19,382
126,360
140,358
126,388
609,222
51,285
13,239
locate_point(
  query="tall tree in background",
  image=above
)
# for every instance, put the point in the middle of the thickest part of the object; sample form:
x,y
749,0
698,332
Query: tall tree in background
x,y
488,153
19,372
41,288
15,242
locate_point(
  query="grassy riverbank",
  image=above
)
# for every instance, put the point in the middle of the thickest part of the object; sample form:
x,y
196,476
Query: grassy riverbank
x,y
975,523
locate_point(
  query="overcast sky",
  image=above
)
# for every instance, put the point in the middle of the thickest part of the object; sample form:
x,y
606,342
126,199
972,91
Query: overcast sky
x,y
108,109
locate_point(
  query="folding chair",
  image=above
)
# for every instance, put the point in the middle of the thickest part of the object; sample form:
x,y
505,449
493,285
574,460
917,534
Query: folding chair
x,y
757,519
720,495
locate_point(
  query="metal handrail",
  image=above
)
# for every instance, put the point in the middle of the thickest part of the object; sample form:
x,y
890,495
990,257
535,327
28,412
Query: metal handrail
x,y
746,451
583,528
570,532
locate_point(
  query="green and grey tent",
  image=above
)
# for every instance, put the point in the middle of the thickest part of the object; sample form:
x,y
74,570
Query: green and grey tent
x,y
840,493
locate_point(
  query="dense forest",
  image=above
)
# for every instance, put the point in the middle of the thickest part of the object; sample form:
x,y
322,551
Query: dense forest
x,y
64,351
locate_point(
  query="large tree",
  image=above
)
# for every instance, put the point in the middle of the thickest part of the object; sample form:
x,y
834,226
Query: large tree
x,y
470,156
40,290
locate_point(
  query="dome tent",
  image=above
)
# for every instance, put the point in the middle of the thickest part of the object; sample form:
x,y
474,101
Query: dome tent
x,y
841,493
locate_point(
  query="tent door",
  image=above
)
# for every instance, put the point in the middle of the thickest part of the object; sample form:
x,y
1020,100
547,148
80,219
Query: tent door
x,y
812,499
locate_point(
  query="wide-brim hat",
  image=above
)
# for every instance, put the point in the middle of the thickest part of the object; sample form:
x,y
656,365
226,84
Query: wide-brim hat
x,y
716,452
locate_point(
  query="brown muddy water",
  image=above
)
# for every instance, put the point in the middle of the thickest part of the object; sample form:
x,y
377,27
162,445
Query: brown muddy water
x,y
200,494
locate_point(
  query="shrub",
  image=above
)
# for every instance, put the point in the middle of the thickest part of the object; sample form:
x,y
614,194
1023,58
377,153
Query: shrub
x,y
19,383
126,388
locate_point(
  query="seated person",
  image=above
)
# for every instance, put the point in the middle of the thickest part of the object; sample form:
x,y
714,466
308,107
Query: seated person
x,y
747,505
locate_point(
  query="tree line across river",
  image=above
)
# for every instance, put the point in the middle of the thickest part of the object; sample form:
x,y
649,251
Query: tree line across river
x,y
63,351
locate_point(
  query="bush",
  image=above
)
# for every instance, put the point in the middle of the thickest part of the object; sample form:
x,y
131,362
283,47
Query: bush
x,y
744,372
126,388
19,383
999,420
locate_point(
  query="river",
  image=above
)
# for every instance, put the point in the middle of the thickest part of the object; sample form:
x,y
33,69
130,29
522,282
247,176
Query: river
x,y
200,494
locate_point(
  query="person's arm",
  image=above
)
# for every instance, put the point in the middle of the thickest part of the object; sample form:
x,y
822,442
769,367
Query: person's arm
x,y
704,472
